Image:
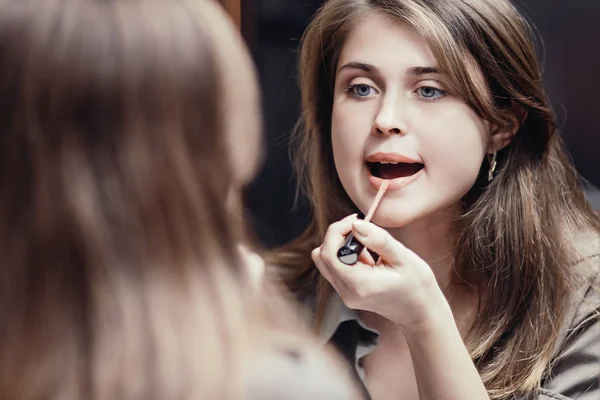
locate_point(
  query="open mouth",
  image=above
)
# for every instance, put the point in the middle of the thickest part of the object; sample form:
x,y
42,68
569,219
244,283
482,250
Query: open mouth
x,y
393,170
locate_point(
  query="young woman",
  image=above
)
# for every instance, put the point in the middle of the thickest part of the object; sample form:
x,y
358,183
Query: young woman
x,y
485,284
127,129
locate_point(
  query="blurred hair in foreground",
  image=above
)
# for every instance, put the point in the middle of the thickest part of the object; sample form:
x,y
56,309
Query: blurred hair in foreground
x,y
121,276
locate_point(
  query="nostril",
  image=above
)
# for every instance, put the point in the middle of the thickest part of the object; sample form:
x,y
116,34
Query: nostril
x,y
391,130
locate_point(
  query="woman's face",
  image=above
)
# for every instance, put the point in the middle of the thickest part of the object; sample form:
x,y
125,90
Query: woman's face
x,y
395,118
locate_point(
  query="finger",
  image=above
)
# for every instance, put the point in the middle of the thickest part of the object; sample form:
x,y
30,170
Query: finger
x,y
327,272
380,241
366,258
323,267
350,217
336,236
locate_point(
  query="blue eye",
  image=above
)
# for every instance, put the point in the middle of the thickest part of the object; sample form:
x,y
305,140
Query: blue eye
x,y
361,90
431,93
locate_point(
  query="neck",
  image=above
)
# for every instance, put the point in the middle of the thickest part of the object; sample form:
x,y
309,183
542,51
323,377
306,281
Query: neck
x,y
432,239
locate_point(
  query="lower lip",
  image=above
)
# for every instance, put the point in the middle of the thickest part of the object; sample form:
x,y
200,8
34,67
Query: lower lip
x,y
395,183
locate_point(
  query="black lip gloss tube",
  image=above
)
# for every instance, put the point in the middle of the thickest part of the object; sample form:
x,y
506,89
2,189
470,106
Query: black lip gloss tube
x,y
349,252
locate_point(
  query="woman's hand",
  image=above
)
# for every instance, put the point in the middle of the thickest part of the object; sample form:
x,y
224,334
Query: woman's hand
x,y
400,286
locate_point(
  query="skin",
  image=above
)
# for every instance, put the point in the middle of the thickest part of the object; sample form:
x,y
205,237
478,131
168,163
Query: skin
x,y
240,95
399,105
241,106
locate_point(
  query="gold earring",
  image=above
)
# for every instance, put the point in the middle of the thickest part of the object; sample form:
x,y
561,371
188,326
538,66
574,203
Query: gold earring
x,y
492,161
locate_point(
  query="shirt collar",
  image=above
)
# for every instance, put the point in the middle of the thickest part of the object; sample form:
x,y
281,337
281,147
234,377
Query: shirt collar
x,y
336,312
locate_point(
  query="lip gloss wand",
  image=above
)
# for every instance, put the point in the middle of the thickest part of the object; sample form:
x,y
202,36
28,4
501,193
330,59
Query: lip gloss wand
x,y
349,252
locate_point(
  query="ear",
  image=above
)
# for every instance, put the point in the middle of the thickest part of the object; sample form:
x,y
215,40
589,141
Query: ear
x,y
503,136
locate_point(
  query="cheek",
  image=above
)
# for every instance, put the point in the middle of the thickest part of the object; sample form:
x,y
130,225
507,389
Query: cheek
x,y
348,132
455,152
245,147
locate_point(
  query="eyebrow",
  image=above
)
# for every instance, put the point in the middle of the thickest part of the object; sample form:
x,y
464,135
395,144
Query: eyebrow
x,y
418,71
362,66
413,71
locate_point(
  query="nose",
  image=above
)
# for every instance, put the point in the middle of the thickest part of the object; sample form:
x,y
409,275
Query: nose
x,y
389,119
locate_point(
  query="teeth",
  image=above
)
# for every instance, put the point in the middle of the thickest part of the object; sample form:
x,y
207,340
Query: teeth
x,y
387,162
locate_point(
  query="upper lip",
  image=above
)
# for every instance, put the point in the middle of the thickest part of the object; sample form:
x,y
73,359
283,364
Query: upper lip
x,y
391,158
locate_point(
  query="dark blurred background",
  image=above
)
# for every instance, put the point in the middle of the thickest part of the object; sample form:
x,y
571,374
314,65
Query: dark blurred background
x,y
568,47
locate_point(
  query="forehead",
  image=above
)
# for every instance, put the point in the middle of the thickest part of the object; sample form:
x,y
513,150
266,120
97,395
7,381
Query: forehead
x,y
386,43
394,48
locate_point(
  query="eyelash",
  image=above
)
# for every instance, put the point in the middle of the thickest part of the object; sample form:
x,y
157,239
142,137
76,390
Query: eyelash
x,y
351,90
442,93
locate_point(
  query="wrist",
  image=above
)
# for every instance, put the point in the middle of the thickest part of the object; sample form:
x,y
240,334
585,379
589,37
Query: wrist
x,y
435,319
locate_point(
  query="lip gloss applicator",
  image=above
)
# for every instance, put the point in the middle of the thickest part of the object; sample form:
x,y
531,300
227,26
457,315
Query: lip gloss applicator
x,y
349,252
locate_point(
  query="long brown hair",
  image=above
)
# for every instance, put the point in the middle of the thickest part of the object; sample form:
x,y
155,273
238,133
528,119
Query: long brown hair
x,y
120,275
520,235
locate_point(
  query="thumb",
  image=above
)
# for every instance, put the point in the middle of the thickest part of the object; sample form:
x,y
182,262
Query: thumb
x,y
380,241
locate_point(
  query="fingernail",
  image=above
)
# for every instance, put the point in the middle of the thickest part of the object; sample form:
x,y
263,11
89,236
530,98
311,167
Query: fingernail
x,y
369,258
351,216
361,227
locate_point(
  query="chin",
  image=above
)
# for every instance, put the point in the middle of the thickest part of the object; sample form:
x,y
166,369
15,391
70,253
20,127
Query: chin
x,y
401,215
395,219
